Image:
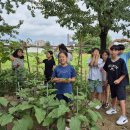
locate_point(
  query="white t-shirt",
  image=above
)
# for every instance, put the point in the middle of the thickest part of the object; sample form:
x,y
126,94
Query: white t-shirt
x,y
95,72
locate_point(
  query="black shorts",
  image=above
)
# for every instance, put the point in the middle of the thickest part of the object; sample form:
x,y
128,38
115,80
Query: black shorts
x,y
63,97
118,91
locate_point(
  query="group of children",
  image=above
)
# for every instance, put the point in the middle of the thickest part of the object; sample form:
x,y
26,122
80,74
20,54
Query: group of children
x,y
107,72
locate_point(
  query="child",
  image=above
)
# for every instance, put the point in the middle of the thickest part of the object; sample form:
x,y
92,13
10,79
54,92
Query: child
x,y
61,48
17,59
18,65
117,75
106,88
124,55
49,66
63,75
95,75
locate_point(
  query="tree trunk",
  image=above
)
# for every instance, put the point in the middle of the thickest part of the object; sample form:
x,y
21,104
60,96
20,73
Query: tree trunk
x,y
103,39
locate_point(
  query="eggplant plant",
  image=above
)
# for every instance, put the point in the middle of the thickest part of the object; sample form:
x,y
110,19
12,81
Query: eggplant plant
x,y
39,107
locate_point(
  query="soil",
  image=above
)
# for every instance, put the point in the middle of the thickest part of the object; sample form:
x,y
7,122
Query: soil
x,y
109,121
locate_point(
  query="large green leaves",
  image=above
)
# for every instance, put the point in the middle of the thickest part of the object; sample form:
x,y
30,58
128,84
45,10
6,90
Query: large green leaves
x,y
75,123
40,114
5,119
3,101
61,110
61,124
26,123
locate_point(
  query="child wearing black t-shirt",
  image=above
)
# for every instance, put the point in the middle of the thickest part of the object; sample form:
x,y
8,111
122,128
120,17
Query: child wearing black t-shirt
x,y
49,65
117,75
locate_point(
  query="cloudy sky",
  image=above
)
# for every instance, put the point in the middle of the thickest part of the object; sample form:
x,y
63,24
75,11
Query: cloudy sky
x,y
38,28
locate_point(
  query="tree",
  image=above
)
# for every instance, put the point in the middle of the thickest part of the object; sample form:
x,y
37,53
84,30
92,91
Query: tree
x,y
9,6
98,18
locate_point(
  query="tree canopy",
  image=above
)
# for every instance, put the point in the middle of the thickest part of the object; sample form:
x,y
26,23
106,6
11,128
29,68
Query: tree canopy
x,y
10,6
96,18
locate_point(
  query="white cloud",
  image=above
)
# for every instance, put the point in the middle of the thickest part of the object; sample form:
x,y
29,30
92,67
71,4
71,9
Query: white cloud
x,y
38,28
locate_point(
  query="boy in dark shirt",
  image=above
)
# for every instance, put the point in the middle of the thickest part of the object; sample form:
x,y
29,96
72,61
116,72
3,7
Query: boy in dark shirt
x,y
117,75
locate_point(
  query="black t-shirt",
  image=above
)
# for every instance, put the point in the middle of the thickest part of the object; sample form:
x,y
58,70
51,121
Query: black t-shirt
x,y
115,70
48,67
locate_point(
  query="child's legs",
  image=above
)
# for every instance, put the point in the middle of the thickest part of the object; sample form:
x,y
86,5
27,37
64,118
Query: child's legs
x,y
121,96
123,107
107,93
104,95
113,95
99,91
91,87
114,100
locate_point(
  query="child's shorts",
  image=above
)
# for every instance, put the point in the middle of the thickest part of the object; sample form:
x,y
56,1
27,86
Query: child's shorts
x,y
118,91
63,97
95,86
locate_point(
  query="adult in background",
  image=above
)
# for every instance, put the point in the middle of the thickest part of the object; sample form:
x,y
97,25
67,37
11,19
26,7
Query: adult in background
x,y
63,48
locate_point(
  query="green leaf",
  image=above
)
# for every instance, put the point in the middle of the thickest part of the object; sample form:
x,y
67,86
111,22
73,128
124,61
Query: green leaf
x,y
4,101
26,123
5,119
75,123
24,106
82,118
95,128
61,124
40,114
55,113
47,121
13,110
92,115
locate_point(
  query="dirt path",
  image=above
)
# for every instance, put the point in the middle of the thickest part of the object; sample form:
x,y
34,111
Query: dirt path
x,y
109,121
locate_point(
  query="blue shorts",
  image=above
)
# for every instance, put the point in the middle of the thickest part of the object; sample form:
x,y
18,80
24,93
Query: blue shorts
x,y
118,91
63,97
95,86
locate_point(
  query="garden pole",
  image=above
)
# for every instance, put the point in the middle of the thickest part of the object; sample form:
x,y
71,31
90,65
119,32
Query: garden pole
x,y
47,109
77,107
37,61
81,59
28,60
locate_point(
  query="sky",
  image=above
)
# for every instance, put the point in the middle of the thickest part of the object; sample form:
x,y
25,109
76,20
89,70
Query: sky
x,y
39,28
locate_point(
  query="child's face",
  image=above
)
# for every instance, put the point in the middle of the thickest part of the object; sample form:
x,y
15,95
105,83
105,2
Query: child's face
x,y
114,53
95,53
62,59
20,53
48,55
104,56
121,51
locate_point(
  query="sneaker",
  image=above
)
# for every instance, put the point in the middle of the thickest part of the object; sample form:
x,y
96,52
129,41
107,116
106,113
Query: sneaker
x,y
98,107
122,120
106,105
111,111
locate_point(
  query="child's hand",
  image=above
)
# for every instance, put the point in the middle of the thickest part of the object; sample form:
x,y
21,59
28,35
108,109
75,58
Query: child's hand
x,y
117,81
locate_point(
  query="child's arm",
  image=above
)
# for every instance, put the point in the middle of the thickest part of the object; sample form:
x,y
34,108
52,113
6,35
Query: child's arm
x,y
12,58
119,80
92,61
38,61
96,61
